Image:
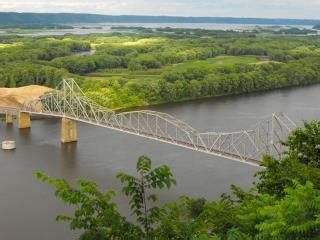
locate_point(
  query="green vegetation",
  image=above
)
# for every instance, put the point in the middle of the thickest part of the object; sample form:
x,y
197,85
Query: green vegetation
x,y
123,70
284,204
98,216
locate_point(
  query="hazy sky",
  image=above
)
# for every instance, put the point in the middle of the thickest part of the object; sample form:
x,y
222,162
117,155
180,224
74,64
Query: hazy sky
x,y
231,8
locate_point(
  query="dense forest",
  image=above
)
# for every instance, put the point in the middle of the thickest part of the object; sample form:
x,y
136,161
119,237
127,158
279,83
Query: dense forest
x,y
54,18
121,70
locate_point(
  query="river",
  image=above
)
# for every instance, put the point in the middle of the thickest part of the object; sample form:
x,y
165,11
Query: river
x,y
87,28
28,207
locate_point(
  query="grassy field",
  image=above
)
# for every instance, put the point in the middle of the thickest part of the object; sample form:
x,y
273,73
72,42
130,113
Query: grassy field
x,y
219,61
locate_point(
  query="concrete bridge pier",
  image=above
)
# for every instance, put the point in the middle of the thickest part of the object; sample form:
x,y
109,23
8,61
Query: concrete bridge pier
x,y
9,118
68,130
24,120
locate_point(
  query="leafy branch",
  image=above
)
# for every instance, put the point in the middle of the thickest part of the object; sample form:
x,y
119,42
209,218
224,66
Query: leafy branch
x,y
138,188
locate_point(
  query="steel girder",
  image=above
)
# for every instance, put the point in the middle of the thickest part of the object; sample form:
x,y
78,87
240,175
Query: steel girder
x,y
69,101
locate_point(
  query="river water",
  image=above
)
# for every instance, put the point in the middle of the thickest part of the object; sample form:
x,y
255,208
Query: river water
x,y
87,28
28,207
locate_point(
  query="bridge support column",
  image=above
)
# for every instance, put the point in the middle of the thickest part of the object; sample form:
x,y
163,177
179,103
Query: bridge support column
x,y
24,120
9,118
68,131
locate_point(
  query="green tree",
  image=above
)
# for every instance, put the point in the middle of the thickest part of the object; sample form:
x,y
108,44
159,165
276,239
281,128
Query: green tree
x,y
134,66
296,216
179,220
95,213
138,190
304,143
98,216
300,163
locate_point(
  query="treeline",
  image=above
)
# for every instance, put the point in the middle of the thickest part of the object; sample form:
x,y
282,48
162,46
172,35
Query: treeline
x,y
239,79
87,64
39,49
21,74
59,49
197,83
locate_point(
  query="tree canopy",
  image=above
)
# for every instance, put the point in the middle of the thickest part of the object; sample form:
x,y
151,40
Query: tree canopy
x,y
121,70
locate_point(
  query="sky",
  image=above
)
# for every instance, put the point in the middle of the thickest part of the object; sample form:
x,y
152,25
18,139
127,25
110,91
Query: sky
x,y
304,9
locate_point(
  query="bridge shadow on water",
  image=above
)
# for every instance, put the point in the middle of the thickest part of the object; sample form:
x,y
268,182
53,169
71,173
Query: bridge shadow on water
x,y
69,154
24,135
69,149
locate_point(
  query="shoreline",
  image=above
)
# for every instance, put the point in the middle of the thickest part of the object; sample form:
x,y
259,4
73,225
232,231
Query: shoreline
x,y
141,107
148,106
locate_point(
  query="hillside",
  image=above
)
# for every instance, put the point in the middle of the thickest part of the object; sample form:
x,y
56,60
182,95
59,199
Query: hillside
x,y
12,18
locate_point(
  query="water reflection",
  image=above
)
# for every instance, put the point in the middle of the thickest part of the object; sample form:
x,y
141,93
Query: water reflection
x,y
25,136
69,155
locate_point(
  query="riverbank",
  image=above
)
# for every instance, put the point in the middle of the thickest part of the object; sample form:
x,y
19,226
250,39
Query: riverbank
x,y
199,99
15,97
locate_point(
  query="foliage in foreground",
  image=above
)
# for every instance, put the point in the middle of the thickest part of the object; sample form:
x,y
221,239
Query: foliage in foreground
x,y
285,204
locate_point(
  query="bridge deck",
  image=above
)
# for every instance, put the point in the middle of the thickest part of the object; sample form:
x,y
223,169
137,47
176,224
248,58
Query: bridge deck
x,y
245,146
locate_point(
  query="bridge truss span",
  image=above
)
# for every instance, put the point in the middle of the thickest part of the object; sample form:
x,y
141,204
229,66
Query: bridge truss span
x,y
69,101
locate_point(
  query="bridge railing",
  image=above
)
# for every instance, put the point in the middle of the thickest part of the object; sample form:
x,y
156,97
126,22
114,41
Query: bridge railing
x,y
69,101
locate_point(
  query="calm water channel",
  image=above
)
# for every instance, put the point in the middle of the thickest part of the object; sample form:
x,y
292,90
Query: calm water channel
x,y
87,28
28,207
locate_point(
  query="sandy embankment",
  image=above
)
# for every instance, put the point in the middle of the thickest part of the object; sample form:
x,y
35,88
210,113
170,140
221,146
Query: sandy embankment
x,y
15,97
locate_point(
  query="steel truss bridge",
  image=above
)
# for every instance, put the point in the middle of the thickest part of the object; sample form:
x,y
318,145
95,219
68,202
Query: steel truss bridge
x,y
247,146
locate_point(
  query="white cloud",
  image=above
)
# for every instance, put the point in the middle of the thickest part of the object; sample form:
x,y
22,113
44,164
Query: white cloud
x,y
232,8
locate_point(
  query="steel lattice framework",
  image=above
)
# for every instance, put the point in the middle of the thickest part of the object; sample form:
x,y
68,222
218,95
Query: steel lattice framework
x,y
69,101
